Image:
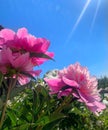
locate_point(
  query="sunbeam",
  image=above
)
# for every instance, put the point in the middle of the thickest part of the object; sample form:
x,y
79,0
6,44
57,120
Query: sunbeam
x,y
95,15
81,15
78,20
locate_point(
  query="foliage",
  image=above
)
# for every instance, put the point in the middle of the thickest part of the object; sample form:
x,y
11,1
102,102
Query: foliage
x,y
103,82
34,109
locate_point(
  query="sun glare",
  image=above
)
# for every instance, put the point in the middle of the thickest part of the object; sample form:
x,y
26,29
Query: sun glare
x,y
78,20
95,15
81,16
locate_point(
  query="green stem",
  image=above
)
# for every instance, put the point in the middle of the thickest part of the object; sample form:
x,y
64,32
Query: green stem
x,y
39,127
11,85
65,102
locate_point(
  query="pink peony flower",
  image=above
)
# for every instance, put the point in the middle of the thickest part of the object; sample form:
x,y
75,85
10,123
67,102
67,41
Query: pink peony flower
x,y
77,81
24,42
12,64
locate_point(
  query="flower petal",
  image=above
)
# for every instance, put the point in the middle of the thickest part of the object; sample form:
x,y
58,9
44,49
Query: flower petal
x,y
6,34
72,83
22,32
55,84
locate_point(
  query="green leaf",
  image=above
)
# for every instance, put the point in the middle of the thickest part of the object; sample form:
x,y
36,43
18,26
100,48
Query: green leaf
x,y
16,90
22,126
6,128
44,92
12,116
38,102
51,125
28,75
48,119
40,55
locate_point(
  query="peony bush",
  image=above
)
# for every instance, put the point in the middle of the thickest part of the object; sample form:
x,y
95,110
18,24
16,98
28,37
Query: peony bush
x,y
63,99
75,80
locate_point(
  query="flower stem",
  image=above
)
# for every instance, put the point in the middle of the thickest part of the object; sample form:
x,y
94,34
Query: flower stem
x,y
39,127
65,102
11,85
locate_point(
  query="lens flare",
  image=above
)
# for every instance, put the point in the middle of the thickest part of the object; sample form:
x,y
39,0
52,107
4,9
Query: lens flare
x,y
81,15
78,20
95,15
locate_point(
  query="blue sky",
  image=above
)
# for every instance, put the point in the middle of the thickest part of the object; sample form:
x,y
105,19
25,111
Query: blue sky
x,y
55,20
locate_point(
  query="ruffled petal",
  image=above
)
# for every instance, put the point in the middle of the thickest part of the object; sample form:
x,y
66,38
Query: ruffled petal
x,y
72,83
55,84
22,32
7,34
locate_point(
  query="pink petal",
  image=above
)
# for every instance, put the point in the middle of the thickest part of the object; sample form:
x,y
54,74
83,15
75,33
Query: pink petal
x,y
6,56
3,69
22,32
39,61
55,84
50,54
35,72
85,98
100,105
7,34
40,45
23,79
96,107
64,93
72,83
2,40
45,45
23,62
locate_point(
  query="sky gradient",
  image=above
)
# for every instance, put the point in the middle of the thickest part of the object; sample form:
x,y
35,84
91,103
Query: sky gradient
x,y
55,20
